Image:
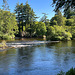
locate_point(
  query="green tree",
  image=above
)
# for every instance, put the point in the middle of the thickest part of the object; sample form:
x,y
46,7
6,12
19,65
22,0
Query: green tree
x,y
8,24
58,19
69,72
40,28
58,33
61,3
25,17
5,5
20,15
53,22
69,22
72,28
50,31
44,19
70,12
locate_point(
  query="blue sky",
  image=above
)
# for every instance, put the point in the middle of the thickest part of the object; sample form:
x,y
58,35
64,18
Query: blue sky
x,y
39,6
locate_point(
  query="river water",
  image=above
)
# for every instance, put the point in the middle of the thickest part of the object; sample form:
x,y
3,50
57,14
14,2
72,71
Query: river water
x,y
40,59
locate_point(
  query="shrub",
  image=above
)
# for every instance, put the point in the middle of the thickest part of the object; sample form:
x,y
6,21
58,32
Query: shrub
x,y
70,72
58,33
3,44
40,29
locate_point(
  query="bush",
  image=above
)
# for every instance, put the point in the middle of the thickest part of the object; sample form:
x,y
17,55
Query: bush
x,y
67,36
69,22
7,37
58,33
40,29
50,31
70,72
3,44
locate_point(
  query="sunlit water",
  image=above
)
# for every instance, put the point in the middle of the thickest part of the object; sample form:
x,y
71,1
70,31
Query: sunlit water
x,y
41,59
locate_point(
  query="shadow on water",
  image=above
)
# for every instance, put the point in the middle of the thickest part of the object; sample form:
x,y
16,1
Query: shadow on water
x,y
42,59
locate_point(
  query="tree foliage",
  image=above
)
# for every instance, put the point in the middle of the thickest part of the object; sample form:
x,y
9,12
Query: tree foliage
x,y
58,19
40,28
62,3
69,72
25,16
58,33
5,5
70,12
8,24
60,27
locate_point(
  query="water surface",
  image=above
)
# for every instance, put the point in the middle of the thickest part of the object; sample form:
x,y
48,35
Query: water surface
x,y
41,59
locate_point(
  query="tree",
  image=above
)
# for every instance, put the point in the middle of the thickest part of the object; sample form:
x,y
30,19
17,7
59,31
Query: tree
x,y
70,12
40,28
50,31
61,3
30,18
53,22
8,24
58,33
44,18
25,16
58,19
69,22
19,10
72,28
5,5
61,33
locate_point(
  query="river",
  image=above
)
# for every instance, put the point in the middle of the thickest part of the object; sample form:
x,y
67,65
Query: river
x,y
40,59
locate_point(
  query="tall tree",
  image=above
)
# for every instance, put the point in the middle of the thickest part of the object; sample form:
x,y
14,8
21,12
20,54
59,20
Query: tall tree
x,y
44,19
5,5
70,12
58,19
18,17
25,16
61,3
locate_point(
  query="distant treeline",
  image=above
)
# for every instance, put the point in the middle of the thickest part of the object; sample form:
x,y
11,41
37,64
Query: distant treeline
x,y
23,23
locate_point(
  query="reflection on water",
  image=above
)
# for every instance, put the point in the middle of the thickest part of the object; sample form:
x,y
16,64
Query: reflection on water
x,y
43,59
